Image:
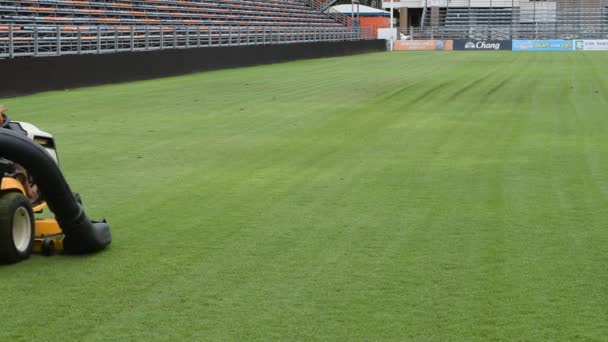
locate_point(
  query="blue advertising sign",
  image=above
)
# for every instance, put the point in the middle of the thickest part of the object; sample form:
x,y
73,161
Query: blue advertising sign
x,y
543,45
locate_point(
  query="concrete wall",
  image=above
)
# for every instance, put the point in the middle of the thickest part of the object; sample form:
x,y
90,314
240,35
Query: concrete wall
x,y
29,75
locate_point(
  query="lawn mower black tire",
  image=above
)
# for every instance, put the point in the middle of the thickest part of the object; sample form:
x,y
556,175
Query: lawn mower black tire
x,y
16,227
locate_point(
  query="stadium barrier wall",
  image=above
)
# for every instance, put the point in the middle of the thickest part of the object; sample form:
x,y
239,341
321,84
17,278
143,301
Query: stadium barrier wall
x,y
506,45
30,75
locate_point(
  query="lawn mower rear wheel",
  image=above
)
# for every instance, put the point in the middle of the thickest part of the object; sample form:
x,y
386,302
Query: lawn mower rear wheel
x,y
16,227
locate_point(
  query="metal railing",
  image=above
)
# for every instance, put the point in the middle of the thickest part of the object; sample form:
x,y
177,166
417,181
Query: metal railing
x,y
321,6
327,4
22,41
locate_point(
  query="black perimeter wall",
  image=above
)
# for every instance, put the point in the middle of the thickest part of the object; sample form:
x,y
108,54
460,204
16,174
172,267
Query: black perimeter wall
x,y
29,75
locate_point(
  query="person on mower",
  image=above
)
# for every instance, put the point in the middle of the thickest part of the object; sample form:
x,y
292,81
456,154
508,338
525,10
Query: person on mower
x,y
31,189
2,115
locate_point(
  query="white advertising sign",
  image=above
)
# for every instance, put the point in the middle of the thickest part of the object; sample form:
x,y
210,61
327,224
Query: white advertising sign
x,y
387,33
591,45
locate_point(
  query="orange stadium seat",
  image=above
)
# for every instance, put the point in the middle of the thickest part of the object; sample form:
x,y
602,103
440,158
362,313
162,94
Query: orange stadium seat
x,y
290,13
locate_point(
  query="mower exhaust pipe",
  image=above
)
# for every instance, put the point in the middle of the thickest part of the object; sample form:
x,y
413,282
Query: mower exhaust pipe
x,y
81,234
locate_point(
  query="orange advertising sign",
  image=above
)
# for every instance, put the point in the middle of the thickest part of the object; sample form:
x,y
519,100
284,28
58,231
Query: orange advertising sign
x,y
423,45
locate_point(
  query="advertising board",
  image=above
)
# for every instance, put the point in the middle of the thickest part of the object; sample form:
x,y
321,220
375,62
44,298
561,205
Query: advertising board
x,y
543,45
591,45
483,45
387,33
422,45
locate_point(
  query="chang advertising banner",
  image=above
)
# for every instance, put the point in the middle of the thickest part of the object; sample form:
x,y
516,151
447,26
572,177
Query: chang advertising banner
x,y
543,45
423,45
591,45
483,45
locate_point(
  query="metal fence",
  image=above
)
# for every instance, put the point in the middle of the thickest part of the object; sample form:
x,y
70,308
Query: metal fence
x,y
511,19
18,41
322,6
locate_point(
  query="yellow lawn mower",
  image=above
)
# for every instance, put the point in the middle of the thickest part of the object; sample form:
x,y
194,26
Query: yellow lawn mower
x,y
30,182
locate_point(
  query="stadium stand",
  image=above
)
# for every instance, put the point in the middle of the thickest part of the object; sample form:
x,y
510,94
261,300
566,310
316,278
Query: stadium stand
x,y
43,27
509,19
165,12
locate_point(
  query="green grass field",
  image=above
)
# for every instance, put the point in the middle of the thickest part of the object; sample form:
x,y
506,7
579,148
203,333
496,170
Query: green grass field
x,y
390,196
